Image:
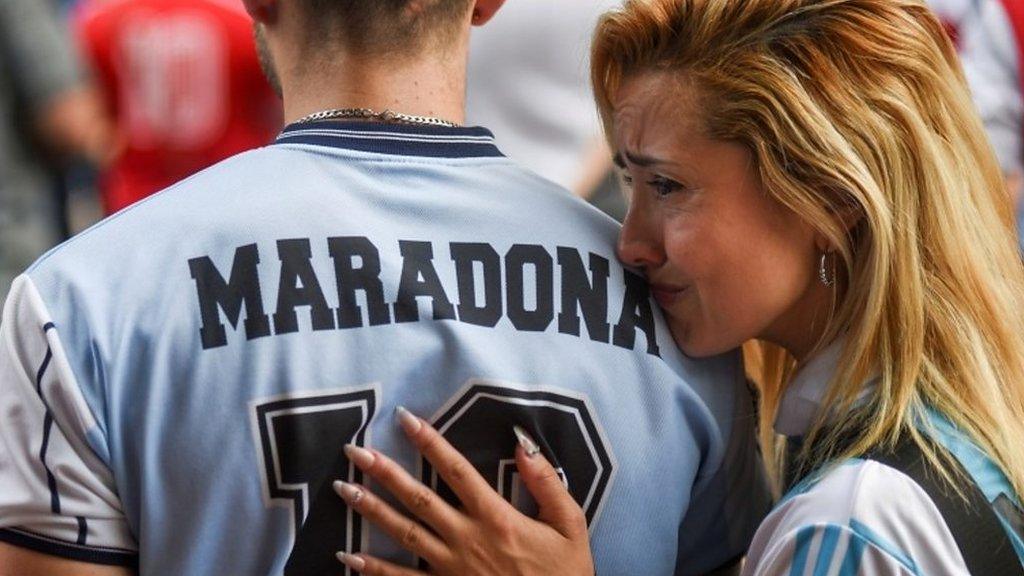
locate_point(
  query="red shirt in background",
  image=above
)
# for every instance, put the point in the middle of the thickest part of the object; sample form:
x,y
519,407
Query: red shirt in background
x,y
184,84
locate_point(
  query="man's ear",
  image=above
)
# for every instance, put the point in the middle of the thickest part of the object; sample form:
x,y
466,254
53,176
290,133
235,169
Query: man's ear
x,y
262,11
484,10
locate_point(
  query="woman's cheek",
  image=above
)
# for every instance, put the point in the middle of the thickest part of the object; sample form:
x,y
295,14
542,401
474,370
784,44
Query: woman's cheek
x,y
726,303
711,325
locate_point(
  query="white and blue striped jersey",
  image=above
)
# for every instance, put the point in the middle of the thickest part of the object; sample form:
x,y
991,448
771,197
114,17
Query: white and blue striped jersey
x,y
863,518
177,382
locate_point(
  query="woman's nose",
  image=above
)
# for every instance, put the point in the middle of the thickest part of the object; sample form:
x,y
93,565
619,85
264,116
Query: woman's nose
x,y
640,243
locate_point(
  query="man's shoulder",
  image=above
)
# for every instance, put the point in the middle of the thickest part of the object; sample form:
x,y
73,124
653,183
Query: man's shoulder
x,y
166,217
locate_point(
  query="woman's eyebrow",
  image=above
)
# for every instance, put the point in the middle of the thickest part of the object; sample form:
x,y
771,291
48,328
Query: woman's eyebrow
x,y
636,159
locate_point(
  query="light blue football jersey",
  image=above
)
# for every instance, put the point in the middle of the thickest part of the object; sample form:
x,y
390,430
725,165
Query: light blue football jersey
x,y
177,382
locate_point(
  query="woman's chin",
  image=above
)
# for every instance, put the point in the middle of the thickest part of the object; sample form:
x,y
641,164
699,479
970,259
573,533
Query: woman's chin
x,y
704,351
696,344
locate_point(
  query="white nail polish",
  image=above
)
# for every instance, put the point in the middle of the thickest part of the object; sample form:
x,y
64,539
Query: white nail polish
x,y
348,492
353,562
410,423
526,441
361,457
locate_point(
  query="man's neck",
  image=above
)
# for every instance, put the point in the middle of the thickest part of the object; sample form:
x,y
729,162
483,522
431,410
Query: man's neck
x,y
434,87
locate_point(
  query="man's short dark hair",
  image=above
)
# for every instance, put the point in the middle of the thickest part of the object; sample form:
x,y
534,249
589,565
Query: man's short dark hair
x,y
384,26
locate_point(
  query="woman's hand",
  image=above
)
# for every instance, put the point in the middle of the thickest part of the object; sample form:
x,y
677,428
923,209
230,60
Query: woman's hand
x,y
488,536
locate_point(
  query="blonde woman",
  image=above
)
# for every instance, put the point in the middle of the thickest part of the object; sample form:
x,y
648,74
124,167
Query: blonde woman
x,y
809,176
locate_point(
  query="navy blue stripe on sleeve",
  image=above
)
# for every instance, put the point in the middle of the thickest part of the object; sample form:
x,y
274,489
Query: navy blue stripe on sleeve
x,y
71,551
51,480
42,372
83,530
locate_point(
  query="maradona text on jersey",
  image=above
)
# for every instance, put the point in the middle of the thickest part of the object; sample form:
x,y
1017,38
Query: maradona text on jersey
x,y
474,284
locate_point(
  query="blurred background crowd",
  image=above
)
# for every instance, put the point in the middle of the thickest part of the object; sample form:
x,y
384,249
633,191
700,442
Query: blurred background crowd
x,y
104,102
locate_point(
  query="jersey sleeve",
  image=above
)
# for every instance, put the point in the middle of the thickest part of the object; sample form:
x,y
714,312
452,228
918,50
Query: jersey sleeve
x,y
727,507
57,493
831,550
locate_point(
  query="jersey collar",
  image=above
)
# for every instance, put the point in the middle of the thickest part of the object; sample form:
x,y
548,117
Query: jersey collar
x,y
396,139
803,396
802,401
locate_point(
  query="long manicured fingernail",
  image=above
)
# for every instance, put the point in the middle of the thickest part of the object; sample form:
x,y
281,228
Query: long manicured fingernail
x,y
410,423
526,441
348,492
353,562
361,457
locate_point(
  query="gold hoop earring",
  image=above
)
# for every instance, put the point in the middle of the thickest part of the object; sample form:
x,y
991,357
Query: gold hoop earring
x,y
826,273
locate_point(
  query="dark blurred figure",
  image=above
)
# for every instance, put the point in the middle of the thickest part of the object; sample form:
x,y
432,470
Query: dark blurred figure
x,y
183,82
48,116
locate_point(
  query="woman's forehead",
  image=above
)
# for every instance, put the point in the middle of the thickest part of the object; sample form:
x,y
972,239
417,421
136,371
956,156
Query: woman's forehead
x,y
675,85
653,111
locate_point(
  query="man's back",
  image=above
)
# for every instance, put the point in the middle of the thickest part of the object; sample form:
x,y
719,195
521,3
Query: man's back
x,y
231,334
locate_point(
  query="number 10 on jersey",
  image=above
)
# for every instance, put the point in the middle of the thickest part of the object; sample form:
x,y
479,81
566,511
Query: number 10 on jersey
x,y
300,437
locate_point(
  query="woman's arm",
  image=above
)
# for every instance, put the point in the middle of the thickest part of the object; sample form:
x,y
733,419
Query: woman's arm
x,y
487,536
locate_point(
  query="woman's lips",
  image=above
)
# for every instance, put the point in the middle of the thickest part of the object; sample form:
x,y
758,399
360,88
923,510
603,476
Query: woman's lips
x,y
665,294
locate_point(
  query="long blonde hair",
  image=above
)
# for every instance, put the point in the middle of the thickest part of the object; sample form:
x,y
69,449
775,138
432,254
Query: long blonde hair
x,y
860,107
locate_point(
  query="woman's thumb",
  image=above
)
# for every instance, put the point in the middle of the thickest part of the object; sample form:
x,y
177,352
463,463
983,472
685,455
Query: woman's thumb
x,y
556,504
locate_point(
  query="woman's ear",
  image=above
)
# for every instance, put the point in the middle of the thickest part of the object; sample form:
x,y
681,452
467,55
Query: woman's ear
x,y
849,217
846,213
845,209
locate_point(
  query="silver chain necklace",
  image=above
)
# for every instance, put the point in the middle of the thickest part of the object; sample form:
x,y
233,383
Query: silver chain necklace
x,y
387,116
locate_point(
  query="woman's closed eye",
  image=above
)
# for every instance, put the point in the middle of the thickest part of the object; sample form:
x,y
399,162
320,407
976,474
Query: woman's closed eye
x,y
661,185
664,186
